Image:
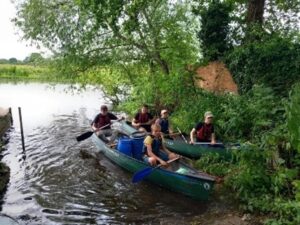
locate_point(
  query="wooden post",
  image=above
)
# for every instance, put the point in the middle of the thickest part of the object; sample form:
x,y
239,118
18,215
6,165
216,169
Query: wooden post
x,y
21,126
11,116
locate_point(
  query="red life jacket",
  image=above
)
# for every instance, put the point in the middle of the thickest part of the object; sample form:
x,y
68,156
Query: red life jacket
x,y
103,120
143,117
204,133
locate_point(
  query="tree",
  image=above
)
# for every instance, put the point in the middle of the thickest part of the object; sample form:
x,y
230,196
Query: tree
x,y
13,61
214,31
157,33
34,58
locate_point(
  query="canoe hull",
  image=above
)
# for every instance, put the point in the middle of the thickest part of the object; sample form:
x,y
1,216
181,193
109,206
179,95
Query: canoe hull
x,y
196,151
194,186
182,148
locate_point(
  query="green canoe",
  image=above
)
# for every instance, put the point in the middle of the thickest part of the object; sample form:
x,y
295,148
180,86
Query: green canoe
x,y
180,147
179,177
197,150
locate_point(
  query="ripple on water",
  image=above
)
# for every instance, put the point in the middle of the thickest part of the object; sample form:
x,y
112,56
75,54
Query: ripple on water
x,y
58,184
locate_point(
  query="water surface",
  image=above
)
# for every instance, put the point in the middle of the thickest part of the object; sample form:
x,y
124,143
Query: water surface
x,y
60,181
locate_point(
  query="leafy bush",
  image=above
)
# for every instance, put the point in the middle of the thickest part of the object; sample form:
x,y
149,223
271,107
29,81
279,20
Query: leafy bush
x,y
273,61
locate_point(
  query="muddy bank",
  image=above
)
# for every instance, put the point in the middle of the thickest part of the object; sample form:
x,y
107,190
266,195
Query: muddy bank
x,y
224,210
5,123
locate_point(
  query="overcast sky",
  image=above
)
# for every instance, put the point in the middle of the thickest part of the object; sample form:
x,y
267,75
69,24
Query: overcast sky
x,y
10,42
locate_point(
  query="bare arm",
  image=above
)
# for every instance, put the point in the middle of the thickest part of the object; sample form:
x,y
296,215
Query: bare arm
x,y
151,154
213,138
192,136
135,123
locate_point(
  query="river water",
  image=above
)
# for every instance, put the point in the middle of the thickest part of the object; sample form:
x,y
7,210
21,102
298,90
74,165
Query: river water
x,y
60,181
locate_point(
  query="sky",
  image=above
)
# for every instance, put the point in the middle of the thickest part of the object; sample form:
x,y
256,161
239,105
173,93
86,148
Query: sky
x,y
11,44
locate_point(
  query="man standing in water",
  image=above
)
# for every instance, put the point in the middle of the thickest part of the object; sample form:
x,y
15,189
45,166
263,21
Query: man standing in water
x,y
101,125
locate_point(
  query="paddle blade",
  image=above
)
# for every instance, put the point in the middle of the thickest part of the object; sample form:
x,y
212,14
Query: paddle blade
x,y
140,175
84,136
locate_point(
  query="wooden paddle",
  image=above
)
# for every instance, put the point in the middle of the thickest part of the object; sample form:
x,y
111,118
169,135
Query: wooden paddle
x,y
140,175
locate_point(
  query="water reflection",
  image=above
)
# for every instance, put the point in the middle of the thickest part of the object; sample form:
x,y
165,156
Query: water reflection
x,y
65,182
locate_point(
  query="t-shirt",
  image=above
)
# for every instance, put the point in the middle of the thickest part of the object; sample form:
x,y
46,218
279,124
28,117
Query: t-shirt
x,y
102,120
154,142
144,118
164,124
204,131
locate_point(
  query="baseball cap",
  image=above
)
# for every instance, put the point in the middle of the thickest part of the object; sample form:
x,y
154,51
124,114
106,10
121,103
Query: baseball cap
x,y
208,114
163,111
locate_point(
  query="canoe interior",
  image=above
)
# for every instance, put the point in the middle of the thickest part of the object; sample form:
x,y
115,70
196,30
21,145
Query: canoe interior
x,y
179,177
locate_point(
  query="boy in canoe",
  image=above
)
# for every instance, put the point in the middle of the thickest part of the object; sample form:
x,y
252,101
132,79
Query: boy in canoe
x,y
153,146
204,131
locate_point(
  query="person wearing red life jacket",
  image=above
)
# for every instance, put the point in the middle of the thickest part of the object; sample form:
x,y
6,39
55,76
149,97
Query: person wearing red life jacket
x,y
143,119
204,131
104,119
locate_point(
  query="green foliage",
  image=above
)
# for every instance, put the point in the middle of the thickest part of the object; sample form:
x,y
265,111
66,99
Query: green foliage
x,y
23,72
34,59
213,164
214,33
88,33
273,61
293,117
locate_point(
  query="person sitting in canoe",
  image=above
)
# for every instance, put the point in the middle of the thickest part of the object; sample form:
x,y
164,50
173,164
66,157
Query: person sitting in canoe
x,y
204,131
143,119
152,148
101,125
164,123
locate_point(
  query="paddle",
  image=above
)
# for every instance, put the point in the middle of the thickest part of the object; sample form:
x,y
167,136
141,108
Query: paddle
x,y
218,144
88,134
140,175
183,137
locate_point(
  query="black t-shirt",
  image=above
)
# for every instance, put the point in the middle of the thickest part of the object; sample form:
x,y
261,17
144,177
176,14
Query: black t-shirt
x,y
102,120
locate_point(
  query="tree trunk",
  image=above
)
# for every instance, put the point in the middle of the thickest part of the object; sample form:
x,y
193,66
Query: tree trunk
x,y
255,11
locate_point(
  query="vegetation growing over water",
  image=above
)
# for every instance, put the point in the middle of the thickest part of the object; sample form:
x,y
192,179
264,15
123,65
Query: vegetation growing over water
x,y
146,52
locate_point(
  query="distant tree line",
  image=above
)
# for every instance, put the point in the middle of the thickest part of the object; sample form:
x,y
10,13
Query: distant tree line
x,y
33,59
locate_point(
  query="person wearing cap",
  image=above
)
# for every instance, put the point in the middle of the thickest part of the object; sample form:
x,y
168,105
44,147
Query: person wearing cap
x,y
143,119
101,125
204,131
163,121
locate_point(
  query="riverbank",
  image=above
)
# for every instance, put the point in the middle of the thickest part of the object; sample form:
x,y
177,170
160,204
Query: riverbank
x,y
5,122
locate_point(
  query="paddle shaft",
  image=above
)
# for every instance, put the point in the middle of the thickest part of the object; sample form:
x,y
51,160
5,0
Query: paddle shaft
x,y
183,137
90,133
140,175
169,161
208,143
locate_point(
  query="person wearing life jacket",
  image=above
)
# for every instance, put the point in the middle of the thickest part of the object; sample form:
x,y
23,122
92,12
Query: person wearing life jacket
x,y
204,131
154,149
101,125
164,123
143,120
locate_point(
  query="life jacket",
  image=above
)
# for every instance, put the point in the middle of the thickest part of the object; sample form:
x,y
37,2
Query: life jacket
x,y
156,144
204,133
164,124
103,120
143,117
